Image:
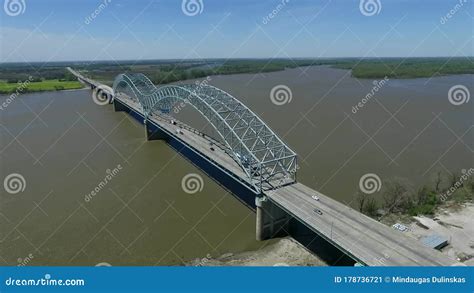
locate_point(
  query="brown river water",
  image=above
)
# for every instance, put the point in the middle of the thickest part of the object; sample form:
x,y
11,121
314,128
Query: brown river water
x,y
65,146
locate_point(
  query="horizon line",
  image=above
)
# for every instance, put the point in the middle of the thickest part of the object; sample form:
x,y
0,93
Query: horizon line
x,y
227,59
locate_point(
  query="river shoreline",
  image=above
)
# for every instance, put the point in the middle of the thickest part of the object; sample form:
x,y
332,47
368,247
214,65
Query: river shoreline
x,y
354,71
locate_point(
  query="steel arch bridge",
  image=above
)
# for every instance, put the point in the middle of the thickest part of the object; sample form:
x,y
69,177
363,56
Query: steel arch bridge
x,y
266,160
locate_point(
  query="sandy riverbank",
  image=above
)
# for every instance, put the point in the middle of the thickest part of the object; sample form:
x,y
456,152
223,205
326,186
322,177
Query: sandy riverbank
x,y
453,222
286,252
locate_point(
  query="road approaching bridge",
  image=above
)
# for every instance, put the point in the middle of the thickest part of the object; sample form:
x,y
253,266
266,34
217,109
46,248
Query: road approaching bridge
x,y
262,171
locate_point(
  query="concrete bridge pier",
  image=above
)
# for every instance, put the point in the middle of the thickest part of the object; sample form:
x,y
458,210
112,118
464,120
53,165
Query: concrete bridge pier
x,y
271,220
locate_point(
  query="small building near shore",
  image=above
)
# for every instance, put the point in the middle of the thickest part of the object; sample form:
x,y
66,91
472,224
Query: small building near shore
x,y
435,241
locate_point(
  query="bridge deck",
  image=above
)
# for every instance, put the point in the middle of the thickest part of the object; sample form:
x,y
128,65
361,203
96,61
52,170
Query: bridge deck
x,y
365,239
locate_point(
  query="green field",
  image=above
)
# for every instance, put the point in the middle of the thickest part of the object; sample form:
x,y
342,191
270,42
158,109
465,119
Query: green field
x,y
46,85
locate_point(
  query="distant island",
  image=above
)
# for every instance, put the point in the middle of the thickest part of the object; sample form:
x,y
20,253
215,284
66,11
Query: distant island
x,y
53,76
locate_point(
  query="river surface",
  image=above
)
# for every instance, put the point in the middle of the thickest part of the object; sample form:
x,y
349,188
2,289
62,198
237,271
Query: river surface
x,y
64,146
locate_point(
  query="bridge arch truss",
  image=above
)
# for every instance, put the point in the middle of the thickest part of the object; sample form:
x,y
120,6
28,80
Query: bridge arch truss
x,y
266,160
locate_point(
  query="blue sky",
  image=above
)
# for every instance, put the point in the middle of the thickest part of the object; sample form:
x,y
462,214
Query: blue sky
x,y
57,30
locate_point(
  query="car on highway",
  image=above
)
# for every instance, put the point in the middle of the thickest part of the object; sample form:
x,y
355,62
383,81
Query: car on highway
x,y
315,197
317,211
